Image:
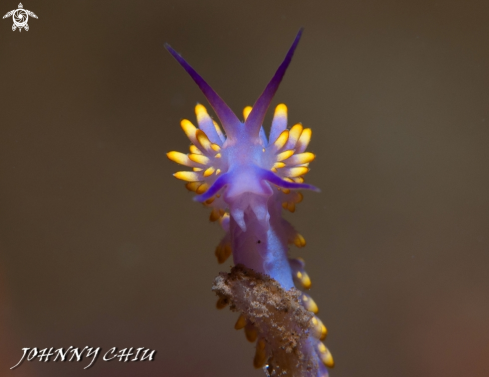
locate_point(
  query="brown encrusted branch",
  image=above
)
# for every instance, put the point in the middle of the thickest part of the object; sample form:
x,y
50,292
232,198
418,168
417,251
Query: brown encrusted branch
x,y
278,316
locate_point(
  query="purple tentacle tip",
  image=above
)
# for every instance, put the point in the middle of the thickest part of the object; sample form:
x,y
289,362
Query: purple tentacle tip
x,y
228,119
220,182
255,119
276,180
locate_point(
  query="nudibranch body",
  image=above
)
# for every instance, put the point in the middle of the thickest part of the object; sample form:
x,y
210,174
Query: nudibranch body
x,y
247,180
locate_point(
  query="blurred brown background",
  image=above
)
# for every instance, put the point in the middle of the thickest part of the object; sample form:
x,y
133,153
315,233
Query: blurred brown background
x,y
101,246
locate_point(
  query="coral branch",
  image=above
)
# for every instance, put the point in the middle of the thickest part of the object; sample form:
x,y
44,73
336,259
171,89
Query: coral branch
x,y
278,315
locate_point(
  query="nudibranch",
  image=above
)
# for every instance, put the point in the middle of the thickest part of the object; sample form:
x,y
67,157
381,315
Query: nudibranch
x,y
247,180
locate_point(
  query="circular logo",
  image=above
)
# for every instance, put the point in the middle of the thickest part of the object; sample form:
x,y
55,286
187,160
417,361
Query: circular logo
x,y
20,18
